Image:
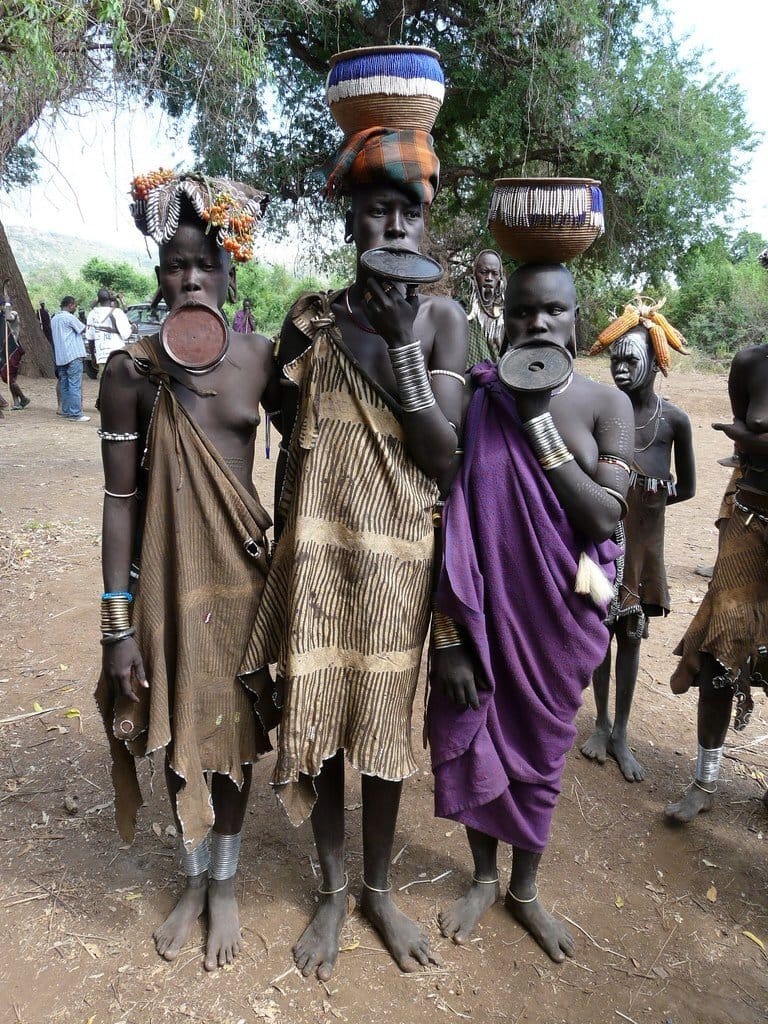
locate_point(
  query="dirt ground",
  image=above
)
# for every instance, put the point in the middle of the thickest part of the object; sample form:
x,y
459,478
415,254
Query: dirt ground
x,y
669,923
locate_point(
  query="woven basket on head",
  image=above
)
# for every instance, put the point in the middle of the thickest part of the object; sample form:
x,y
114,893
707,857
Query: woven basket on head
x,y
385,86
545,220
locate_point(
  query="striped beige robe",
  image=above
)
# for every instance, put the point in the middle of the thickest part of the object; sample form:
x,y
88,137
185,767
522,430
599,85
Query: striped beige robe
x,y
345,607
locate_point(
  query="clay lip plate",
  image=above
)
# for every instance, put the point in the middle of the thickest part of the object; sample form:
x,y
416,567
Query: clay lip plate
x,y
195,336
405,265
540,366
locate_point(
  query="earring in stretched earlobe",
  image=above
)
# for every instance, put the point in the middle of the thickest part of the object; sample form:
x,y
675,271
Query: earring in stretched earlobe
x,y
349,237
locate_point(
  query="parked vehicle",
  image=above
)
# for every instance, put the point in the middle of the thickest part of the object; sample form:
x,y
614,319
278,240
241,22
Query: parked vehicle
x,y
145,319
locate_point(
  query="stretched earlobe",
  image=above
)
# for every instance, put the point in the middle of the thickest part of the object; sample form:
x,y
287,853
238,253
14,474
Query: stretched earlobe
x,y
349,238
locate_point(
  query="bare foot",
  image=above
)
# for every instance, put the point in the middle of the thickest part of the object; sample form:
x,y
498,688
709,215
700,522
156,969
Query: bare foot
x,y
174,931
692,802
318,946
403,938
631,768
553,937
458,921
224,939
596,747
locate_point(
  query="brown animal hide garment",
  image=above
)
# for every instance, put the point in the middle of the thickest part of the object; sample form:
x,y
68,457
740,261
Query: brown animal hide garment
x,y
346,604
203,564
732,621
644,591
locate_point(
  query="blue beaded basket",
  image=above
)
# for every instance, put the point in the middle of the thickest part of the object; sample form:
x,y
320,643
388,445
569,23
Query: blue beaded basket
x,y
385,86
548,220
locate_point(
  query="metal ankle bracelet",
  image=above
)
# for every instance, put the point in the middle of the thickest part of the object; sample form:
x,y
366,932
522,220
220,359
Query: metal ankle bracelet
x,y
373,888
333,892
486,881
517,898
225,853
708,764
198,861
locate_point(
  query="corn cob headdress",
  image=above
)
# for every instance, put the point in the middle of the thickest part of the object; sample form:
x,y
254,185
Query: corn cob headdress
x,y
661,334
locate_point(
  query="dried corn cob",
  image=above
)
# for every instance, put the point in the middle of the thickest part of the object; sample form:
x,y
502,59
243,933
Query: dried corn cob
x,y
629,318
660,347
674,337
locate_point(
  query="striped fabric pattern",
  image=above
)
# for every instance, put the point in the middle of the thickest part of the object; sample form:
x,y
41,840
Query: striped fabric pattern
x,y
405,158
346,604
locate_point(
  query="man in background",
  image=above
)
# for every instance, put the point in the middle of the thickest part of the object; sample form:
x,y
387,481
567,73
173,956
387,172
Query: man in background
x,y
107,328
69,353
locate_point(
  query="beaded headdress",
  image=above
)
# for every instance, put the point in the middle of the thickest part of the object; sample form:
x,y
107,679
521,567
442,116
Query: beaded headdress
x,y
235,210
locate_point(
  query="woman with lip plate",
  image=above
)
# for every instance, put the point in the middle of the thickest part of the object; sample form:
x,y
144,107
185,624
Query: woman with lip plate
x,y
184,554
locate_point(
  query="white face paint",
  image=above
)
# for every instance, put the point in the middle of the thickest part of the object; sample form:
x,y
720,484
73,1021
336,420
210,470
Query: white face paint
x,y
632,362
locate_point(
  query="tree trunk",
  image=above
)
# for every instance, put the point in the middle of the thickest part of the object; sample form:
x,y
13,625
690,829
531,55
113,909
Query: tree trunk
x,y
37,361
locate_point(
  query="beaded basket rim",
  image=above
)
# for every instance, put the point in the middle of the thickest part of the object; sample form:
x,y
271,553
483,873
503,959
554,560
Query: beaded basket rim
x,y
503,182
359,51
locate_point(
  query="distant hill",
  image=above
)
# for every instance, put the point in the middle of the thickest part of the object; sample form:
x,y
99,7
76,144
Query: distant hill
x,y
34,249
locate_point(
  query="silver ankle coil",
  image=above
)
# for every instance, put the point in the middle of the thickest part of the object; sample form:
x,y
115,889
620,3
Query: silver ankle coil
x,y
708,763
225,852
198,861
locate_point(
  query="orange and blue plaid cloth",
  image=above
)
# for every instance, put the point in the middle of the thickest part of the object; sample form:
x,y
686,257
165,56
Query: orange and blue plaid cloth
x,y
405,158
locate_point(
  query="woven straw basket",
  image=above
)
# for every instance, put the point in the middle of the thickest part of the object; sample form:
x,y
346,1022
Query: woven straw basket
x,y
385,86
548,220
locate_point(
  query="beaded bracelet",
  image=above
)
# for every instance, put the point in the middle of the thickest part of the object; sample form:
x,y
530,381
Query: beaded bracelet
x,y
108,435
117,593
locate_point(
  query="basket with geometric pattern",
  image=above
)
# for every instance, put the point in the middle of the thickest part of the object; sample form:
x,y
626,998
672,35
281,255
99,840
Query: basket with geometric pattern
x,y
385,86
550,220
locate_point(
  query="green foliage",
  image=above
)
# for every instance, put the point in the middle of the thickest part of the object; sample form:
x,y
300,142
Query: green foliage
x,y
721,304
20,167
118,277
560,87
53,282
271,290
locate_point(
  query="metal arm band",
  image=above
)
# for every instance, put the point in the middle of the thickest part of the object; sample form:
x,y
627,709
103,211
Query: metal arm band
x,y
620,498
614,460
412,378
449,373
110,494
544,438
444,632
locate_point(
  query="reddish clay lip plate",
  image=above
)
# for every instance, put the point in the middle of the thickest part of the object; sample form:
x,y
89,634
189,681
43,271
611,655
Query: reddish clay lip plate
x,y
195,336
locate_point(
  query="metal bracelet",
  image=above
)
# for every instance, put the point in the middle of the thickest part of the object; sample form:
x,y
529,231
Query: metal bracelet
x,y
620,498
412,377
111,494
444,631
115,613
198,861
708,763
225,853
546,442
114,638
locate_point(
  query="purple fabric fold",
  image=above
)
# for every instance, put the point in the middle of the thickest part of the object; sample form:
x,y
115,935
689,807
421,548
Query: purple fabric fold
x,y
507,577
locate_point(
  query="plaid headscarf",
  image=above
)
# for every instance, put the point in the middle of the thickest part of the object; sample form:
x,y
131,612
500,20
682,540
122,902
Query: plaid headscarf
x,y
404,158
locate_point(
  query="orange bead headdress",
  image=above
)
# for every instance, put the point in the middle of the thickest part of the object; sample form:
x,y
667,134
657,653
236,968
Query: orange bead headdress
x,y
235,210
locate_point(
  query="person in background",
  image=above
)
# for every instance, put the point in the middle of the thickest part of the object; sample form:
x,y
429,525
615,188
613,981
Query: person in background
x,y
69,353
243,322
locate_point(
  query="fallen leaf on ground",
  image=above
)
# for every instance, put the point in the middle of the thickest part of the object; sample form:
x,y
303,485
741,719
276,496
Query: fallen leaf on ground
x,y
619,901
758,942
708,863
711,894
132,896
350,946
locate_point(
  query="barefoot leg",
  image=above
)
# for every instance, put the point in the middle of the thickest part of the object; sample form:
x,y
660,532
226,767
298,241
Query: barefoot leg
x,y
407,943
627,664
318,947
596,747
229,804
458,921
172,934
523,904
714,715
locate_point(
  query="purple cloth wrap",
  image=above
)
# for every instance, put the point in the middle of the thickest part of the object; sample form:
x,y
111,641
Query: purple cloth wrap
x,y
505,535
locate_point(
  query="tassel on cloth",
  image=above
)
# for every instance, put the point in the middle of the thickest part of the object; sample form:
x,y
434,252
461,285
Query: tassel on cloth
x,y
591,580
